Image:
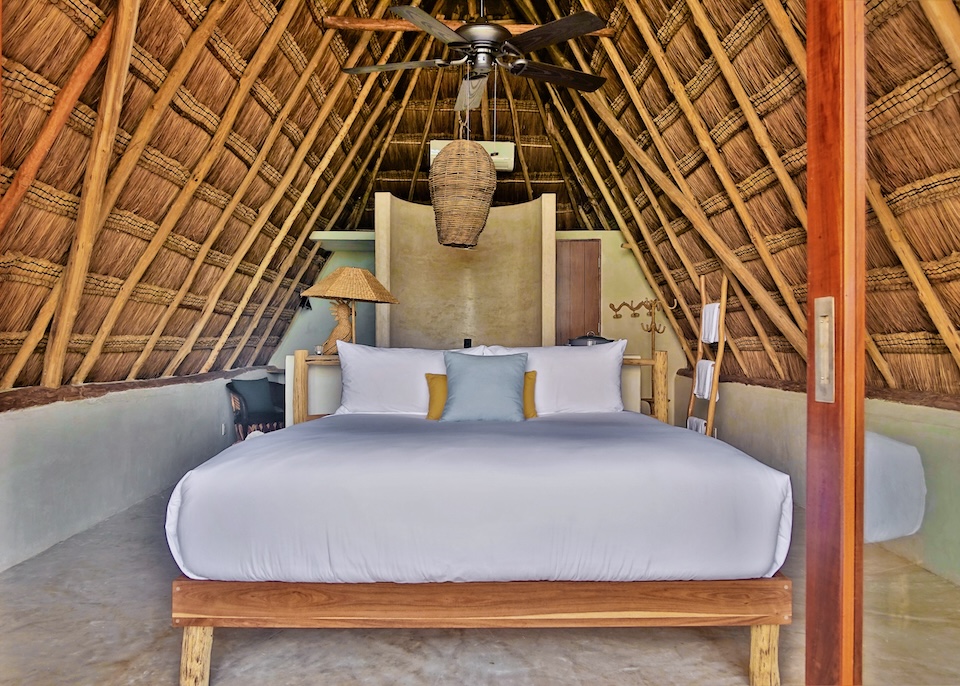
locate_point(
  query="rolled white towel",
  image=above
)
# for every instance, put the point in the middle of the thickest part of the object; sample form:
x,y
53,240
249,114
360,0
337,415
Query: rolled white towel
x,y
710,323
703,379
697,424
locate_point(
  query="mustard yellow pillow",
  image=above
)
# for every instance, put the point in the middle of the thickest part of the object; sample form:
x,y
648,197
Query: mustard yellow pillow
x,y
437,385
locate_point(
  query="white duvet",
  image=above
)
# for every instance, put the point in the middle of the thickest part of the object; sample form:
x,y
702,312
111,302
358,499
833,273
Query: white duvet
x,y
365,498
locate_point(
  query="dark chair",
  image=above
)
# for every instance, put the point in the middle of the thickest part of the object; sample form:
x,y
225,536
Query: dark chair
x,y
257,404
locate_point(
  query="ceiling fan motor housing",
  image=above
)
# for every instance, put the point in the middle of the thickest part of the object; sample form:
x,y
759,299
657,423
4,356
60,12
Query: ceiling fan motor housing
x,y
483,41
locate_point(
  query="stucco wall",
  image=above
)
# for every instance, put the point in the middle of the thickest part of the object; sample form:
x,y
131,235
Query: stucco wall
x,y
490,294
68,465
771,425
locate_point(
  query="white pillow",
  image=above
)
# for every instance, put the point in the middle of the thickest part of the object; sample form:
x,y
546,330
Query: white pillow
x,y
388,380
583,378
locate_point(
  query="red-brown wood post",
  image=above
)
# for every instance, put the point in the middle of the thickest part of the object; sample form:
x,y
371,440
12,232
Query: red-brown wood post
x,y
836,256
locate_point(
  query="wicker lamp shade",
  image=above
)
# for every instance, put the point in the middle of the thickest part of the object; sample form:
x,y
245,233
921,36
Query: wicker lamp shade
x,y
462,181
350,283
345,286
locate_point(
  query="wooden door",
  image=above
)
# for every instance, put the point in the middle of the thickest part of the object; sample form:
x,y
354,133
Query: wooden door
x,y
578,289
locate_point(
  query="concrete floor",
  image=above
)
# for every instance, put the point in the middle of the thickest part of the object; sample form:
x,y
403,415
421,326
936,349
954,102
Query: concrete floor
x,y
95,610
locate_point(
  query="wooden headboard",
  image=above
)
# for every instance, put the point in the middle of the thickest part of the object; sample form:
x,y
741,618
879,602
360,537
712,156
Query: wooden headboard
x,y
303,360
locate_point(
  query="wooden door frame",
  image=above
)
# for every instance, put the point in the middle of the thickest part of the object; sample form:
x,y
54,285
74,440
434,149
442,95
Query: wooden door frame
x,y
836,165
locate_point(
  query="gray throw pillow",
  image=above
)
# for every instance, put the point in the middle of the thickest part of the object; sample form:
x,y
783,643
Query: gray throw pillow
x,y
484,388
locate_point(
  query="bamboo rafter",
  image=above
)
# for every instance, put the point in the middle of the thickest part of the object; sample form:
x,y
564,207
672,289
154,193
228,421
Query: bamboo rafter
x,y
309,225
245,184
719,165
94,180
521,155
185,195
268,207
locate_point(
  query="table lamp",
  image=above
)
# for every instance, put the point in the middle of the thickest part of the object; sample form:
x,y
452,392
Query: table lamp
x,y
345,286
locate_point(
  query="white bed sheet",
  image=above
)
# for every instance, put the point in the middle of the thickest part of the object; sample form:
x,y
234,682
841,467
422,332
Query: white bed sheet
x,y
366,498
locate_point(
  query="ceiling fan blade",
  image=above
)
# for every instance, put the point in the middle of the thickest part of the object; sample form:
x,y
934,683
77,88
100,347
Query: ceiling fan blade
x,y
471,93
431,25
396,66
556,31
577,80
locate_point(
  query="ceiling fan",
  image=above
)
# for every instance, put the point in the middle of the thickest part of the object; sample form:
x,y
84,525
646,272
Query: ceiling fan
x,y
484,44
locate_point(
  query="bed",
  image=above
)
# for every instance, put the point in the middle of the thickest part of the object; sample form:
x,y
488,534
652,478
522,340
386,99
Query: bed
x,y
573,518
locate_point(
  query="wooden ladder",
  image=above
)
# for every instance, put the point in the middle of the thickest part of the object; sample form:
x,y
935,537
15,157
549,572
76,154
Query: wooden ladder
x,y
702,350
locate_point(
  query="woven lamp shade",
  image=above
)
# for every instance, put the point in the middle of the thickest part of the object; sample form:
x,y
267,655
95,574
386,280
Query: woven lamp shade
x,y
462,181
351,283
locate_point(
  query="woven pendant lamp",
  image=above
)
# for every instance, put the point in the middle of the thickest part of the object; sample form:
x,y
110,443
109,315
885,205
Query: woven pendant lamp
x,y
462,181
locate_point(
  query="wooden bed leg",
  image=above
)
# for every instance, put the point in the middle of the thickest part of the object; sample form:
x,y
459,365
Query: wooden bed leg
x,y
764,655
195,656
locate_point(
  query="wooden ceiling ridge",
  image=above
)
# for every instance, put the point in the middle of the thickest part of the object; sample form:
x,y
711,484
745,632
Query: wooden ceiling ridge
x,y
310,224
270,204
306,76
94,181
181,202
390,25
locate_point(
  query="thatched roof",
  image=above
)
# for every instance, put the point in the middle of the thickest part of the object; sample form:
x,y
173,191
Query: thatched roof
x,y
238,134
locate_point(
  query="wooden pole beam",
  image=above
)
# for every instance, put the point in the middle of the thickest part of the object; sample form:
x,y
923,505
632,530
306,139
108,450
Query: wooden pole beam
x,y
94,180
393,25
343,167
378,147
63,105
836,276
182,201
250,176
719,165
554,132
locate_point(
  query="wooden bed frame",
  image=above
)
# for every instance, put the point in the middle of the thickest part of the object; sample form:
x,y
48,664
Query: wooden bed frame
x,y
762,604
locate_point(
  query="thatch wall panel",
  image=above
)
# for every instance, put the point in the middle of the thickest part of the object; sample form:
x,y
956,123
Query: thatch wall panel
x,y
214,327
942,124
45,235
42,38
152,207
210,82
724,14
703,181
936,373
243,28
890,311
65,163
686,51
236,287
253,124
742,156
180,139
771,212
879,253
931,229
168,271
115,253
715,103
764,59
888,63
162,30
226,173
